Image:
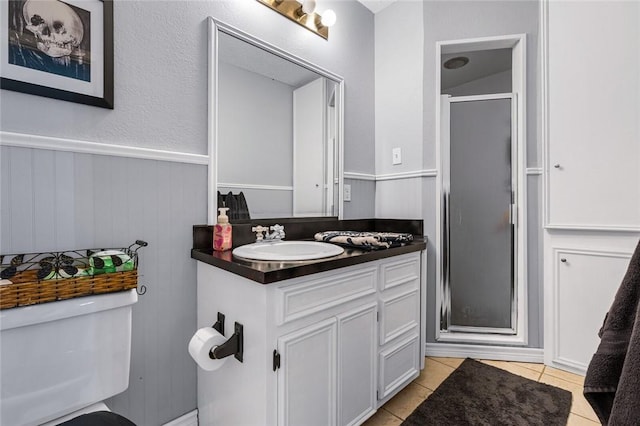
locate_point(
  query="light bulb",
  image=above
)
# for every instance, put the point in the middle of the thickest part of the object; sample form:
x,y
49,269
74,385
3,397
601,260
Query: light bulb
x,y
309,6
328,18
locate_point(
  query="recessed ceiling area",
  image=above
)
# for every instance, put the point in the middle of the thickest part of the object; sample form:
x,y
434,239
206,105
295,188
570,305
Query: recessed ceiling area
x,y
482,63
376,5
251,58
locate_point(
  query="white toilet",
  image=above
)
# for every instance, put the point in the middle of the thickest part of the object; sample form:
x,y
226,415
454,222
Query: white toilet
x,y
59,360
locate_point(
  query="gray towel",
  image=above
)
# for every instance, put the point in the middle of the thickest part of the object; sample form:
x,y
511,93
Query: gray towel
x,y
612,382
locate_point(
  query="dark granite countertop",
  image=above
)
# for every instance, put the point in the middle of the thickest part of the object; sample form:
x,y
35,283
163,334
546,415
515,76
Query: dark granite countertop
x,y
265,272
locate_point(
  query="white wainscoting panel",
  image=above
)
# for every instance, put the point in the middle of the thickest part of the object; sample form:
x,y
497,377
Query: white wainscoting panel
x,y
189,419
399,199
60,200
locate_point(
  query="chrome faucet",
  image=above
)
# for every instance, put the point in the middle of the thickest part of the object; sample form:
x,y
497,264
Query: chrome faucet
x,y
276,235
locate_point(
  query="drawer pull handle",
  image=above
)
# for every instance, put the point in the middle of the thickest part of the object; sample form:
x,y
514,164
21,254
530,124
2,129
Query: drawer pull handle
x,y
563,260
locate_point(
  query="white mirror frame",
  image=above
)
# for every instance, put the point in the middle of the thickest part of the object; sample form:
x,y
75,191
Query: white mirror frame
x,y
216,26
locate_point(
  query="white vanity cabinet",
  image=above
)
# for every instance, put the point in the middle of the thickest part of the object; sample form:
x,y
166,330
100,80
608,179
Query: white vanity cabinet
x,y
323,349
327,375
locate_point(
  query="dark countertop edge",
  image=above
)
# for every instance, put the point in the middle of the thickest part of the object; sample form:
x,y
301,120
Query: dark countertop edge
x,y
299,269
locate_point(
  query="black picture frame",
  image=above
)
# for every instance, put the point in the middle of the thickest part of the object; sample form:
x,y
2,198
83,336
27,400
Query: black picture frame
x,y
103,101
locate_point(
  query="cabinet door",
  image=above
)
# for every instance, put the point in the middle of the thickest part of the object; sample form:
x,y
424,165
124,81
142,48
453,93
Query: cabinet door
x,y
307,376
586,283
594,81
357,364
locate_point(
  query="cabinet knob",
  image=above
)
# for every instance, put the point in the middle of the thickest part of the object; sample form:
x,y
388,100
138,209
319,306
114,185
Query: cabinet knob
x,y
563,260
557,166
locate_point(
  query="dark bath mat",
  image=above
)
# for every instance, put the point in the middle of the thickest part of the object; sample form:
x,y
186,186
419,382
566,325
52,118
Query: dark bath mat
x,y
479,394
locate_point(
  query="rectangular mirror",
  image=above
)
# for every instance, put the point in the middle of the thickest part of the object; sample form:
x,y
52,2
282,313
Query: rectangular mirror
x,y
275,130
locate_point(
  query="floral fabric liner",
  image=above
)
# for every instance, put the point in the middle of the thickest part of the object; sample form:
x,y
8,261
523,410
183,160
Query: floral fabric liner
x,y
365,240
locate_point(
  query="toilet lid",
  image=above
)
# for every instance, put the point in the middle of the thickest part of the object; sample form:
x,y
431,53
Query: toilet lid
x,y
99,418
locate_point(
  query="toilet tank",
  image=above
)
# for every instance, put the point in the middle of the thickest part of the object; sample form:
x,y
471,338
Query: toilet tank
x,y
59,357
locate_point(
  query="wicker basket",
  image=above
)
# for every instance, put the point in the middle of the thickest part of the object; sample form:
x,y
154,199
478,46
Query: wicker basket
x,y
26,288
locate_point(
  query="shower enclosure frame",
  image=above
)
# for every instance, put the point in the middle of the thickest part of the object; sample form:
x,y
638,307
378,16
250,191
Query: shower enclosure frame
x,y
477,335
445,319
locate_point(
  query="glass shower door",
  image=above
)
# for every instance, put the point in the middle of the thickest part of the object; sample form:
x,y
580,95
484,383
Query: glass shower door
x,y
479,223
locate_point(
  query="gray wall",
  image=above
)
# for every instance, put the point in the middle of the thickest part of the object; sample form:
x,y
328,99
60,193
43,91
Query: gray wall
x,y
161,76
495,83
50,200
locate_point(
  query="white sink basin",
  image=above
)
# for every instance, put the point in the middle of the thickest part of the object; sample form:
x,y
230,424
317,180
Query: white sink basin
x,y
287,250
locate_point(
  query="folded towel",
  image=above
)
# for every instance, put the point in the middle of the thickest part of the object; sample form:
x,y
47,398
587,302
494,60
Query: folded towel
x,y
110,261
365,240
613,377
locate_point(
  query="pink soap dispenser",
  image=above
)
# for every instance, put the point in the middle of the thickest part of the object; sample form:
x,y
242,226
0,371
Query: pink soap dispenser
x,y
222,231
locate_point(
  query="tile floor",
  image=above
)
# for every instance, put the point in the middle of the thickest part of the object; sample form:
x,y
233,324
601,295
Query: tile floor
x,y
438,369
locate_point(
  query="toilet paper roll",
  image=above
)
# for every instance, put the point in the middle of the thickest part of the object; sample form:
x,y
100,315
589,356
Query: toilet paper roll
x,y
201,343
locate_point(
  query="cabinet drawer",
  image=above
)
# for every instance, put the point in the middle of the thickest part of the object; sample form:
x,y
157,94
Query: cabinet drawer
x,y
400,272
398,364
398,314
310,296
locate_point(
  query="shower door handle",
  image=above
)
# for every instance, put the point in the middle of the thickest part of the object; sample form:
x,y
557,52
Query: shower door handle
x,y
445,308
513,214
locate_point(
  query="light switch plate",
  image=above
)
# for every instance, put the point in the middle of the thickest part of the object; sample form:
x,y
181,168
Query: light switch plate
x,y
347,192
396,156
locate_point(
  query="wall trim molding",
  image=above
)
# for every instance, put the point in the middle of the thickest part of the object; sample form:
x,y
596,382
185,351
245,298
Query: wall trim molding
x,y
359,176
500,353
407,175
391,176
415,174
23,140
189,419
570,366
254,186
592,227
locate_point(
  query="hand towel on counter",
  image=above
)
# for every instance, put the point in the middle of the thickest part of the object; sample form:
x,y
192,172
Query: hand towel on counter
x,y
365,240
612,382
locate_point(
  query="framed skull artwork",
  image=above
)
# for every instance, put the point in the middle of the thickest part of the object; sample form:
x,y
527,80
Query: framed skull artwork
x,y
58,49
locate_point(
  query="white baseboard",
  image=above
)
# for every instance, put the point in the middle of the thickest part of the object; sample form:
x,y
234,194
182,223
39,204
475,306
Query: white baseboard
x,y
499,353
189,419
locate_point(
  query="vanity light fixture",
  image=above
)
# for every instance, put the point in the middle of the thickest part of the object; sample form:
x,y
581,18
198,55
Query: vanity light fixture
x,y
303,12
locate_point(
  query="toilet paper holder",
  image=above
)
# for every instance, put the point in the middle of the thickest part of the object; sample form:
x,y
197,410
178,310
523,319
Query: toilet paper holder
x,y
233,346
219,325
